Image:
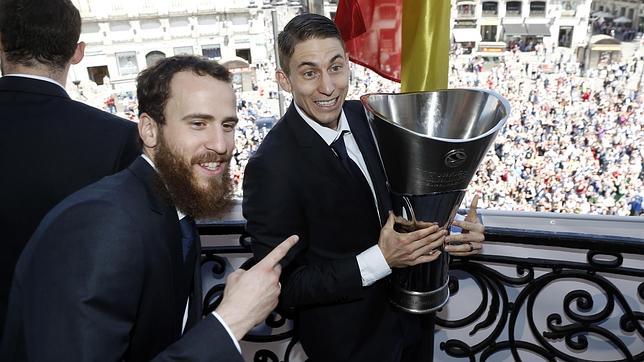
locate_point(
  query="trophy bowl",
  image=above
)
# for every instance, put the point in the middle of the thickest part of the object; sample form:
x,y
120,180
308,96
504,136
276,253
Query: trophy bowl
x,y
431,144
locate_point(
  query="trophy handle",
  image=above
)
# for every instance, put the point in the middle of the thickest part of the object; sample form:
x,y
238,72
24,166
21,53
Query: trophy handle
x,y
408,208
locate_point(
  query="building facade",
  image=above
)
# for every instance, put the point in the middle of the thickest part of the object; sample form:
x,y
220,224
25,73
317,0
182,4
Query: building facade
x,y
491,26
125,36
631,10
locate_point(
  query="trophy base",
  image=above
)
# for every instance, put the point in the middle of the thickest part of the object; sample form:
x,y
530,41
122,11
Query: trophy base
x,y
419,302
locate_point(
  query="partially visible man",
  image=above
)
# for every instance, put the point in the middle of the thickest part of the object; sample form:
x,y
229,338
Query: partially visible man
x,y
113,272
318,174
50,145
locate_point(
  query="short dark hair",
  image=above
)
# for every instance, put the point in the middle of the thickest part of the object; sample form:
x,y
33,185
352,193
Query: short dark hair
x,y
39,31
301,28
153,84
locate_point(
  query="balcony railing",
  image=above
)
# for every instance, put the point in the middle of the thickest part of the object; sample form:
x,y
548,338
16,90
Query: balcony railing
x,y
532,295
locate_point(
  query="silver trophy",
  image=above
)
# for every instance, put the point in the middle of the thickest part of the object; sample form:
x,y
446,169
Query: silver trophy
x,y
431,144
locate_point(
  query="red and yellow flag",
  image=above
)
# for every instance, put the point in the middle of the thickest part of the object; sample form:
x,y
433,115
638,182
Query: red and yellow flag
x,y
403,40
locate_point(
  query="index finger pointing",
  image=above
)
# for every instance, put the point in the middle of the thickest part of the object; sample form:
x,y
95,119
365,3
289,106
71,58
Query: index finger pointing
x,y
279,252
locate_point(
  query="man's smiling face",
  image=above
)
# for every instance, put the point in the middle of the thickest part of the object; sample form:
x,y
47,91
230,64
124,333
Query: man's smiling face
x,y
318,79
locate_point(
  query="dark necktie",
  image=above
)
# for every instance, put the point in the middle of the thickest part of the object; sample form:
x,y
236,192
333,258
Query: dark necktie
x,y
340,150
189,235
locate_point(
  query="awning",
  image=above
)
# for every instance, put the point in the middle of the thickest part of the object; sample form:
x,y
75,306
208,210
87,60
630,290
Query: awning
x,y
515,29
462,35
604,43
606,47
538,29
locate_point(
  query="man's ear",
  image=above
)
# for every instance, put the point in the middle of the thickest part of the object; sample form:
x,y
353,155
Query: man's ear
x,y
148,131
79,53
282,80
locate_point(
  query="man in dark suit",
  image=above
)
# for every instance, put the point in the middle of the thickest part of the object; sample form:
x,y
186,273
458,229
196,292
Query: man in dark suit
x,y
50,145
318,174
112,273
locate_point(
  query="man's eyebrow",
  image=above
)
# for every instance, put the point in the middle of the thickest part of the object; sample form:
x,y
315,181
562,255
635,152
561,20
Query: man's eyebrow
x,y
197,115
304,64
336,57
230,119
312,64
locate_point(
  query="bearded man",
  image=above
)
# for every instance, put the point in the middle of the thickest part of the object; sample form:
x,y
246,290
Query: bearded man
x,y
112,272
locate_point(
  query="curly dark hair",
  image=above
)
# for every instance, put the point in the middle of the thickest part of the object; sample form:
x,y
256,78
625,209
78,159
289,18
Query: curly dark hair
x,y
39,31
153,84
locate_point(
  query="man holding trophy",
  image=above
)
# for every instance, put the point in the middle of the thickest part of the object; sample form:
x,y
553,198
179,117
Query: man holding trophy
x,y
318,174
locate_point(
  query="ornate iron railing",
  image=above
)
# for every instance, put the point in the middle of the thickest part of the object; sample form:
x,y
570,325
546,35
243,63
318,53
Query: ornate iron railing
x,y
539,295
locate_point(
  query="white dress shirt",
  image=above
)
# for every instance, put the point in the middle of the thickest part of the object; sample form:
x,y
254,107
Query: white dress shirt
x,y
371,262
181,215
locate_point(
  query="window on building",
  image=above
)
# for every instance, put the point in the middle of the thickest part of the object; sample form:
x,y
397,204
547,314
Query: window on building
x,y
466,10
127,63
538,8
211,51
569,8
565,36
513,8
244,53
98,74
239,19
490,8
153,57
153,24
179,22
488,32
183,51
622,11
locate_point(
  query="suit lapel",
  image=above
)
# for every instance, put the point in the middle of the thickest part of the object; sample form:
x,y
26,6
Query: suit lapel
x,y
364,138
320,155
169,234
316,152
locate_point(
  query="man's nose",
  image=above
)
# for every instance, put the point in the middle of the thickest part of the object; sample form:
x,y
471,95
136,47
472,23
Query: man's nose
x,y
326,86
217,141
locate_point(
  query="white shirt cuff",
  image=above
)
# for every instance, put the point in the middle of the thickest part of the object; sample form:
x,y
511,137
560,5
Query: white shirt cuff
x,y
373,265
230,333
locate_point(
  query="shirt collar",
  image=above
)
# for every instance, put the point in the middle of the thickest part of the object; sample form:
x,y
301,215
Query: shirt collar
x,y
328,135
38,77
149,160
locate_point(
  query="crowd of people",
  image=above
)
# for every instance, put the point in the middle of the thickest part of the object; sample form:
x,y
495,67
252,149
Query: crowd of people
x,y
572,143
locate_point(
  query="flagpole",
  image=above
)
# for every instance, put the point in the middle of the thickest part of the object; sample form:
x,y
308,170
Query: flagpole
x,y
280,95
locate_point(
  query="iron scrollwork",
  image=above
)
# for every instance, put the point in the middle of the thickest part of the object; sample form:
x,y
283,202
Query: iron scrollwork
x,y
581,323
507,302
277,326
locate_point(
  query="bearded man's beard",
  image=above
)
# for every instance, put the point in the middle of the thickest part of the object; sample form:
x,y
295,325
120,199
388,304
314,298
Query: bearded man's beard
x,y
183,188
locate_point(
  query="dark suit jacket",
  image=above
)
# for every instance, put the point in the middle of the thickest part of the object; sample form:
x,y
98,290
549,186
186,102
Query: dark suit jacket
x,y
103,279
294,184
50,146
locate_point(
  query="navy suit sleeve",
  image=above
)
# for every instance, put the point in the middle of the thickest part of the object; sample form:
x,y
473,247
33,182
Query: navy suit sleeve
x,y
81,289
273,212
194,346
81,285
